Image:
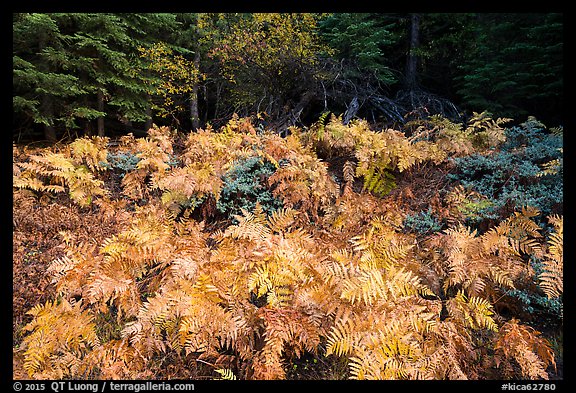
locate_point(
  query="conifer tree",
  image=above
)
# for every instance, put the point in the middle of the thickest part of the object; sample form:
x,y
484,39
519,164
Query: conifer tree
x,y
73,68
514,66
43,88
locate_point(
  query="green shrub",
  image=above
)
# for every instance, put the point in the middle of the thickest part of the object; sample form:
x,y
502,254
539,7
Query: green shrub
x,y
245,184
520,173
422,222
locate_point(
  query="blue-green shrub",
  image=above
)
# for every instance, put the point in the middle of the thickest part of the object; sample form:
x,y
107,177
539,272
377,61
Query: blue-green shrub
x,y
125,162
513,176
245,184
422,222
535,301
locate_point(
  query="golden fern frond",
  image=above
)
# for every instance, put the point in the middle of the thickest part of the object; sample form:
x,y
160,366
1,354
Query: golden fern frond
x,y
162,136
133,185
83,186
59,330
281,220
91,152
552,167
389,351
380,182
290,331
368,286
304,182
340,268
485,131
185,267
191,335
58,168
521,224
71,272
363,366
226,374
187,187
343,339
116,359
474,312
26,180
348,174
501,277
119,290
60,267
205,288
49,164
406,283
267,365
558,131
251,226
516,235
152,157
552,277
424,322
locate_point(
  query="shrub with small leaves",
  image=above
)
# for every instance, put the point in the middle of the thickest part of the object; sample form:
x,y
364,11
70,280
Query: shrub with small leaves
x,y
422,222
124,161
520,174
245,184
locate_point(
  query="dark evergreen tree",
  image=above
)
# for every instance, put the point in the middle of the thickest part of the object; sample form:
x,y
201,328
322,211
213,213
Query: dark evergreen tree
x,y
44,89
514,66
363,41
115,76
73,68
444,42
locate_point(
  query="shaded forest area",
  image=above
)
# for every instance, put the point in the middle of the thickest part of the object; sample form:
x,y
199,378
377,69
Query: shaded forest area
x,y
78,74
288,196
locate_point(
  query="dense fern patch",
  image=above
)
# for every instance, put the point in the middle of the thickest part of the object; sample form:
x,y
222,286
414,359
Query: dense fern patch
x,y
245,251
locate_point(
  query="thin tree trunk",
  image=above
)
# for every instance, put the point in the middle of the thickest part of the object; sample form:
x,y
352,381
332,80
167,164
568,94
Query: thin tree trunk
x,y
47,102
216,104
412,60
148,124
100,120
48,112
50,134
88,128
194,113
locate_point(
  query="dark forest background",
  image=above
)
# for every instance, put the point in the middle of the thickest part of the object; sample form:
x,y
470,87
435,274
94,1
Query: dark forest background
x,y
78,74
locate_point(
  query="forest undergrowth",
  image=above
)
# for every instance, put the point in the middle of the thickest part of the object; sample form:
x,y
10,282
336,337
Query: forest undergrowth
x,y
336,252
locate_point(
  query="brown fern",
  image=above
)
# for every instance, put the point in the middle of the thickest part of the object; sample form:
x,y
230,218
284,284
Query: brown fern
x,y
521,346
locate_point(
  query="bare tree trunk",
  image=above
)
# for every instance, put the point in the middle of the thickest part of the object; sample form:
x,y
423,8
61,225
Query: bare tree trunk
x,y
47,111
100,120
148,123
47,102
217,103
412,60
88,128
353,108
194,114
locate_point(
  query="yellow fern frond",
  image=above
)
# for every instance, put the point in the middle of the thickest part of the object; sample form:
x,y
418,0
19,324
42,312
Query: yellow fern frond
x,y
474,312
552,277
59,331
226,374
251,226
379,182
406,283
91,152
281,220
342,339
